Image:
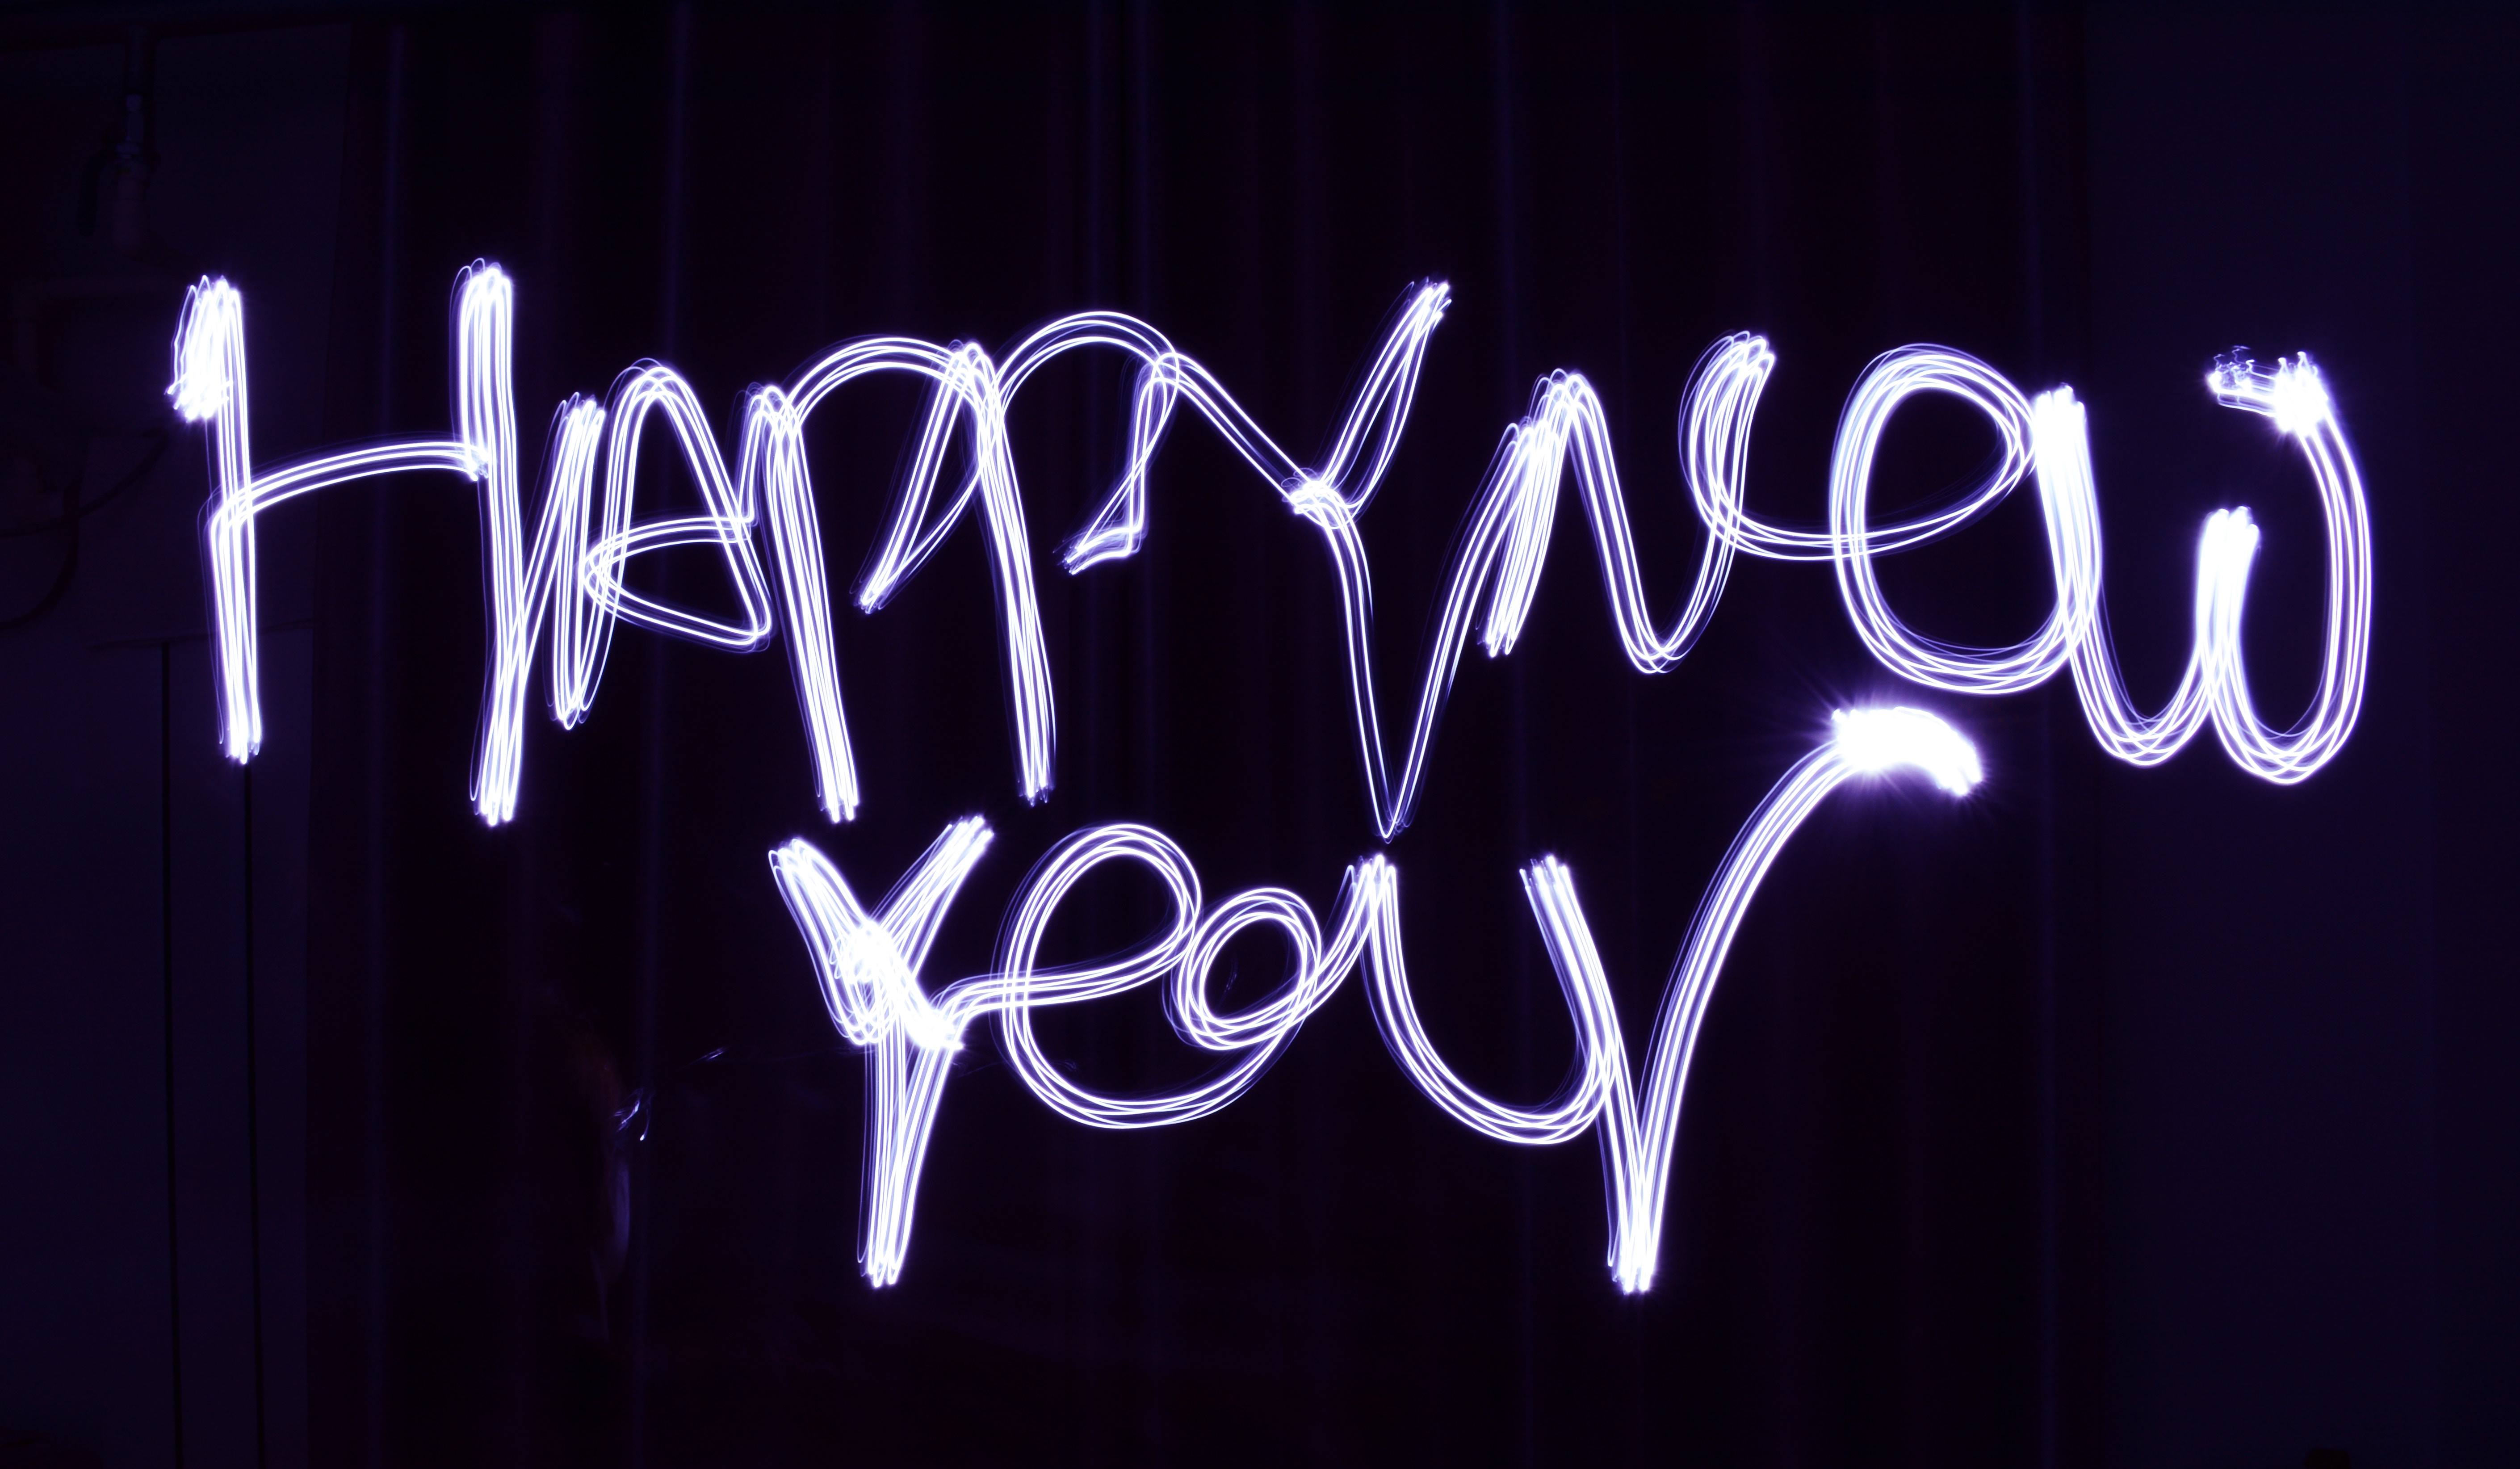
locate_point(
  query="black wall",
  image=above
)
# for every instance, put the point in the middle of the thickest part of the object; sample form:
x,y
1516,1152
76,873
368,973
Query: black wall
x,y
2110,1117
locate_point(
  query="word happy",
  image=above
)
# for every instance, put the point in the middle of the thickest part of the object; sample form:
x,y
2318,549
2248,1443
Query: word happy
x,y
558,582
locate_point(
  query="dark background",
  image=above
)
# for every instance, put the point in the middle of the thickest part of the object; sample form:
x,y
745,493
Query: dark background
x,y
2112,1116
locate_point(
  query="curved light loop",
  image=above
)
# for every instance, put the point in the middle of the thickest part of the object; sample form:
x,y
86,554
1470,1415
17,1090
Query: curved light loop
x,y
565,574
568,571
2072,523
868,965
209,385
2215,685
1640,1132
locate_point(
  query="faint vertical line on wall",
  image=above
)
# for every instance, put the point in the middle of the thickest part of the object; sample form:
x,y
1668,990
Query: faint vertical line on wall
x,y
1099,208
2045,1007
166,956
1092,611
1102,1273
1141,291
1313,89
253,1141
2034,265
1631,774
1312,1227
1083,771
1510,294
1142,269
1756,141
378,561
397,47
900,112
678,98
647,957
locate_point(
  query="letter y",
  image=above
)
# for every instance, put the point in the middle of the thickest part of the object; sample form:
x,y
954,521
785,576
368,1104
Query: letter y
x,y
868,965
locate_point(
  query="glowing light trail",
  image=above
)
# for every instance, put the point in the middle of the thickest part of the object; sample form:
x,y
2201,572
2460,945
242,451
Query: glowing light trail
x,y
566,574
569,576
2215,686
574,572
869,964
1640,1132
210,385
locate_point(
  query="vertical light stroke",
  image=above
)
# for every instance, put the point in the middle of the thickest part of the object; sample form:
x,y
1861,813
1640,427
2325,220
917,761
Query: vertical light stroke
x,y
2215,685
569,570
1493,578
566,573
209,384
1640,1133
867,964
570,574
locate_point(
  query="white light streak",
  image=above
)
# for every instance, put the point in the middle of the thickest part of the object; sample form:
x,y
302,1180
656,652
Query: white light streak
x,y
869,967
965,386
725,525
774,459
566,574
1494,570
1186,951
869,964
571,571
1640,1133
523,580
573,574
574,578
210,385
2215,685
2072,525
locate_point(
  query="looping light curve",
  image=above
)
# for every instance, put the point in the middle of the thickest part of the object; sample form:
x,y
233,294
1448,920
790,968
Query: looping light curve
x,y
867,964
1640,1132
565,577
570,570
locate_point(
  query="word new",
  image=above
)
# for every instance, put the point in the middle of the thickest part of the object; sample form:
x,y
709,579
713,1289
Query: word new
x,y
561,581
